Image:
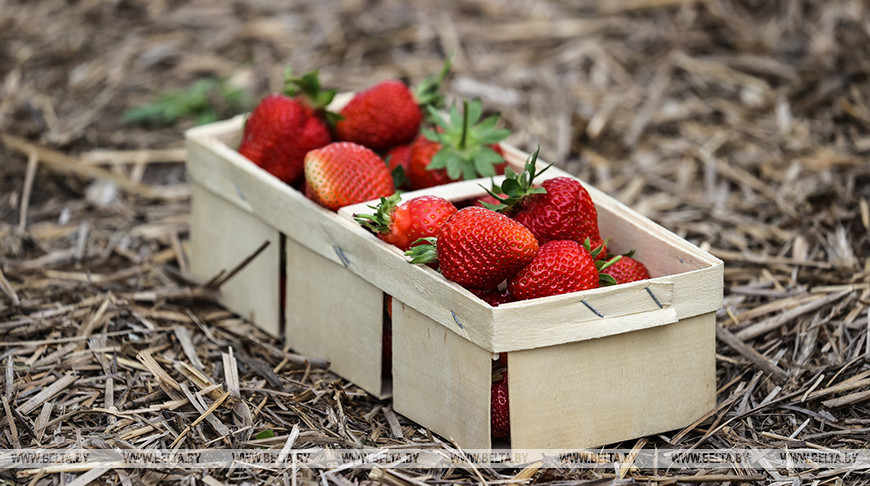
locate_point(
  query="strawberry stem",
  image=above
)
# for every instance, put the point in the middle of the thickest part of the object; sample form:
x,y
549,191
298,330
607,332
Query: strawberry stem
x,y
610,262
466,142
464,138
605,279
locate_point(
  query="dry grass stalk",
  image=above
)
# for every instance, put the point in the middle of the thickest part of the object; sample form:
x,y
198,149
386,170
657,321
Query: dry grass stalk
x,y
739,125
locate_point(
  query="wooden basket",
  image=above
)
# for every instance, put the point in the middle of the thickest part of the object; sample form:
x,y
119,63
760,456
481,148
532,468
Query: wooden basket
x,y
585,369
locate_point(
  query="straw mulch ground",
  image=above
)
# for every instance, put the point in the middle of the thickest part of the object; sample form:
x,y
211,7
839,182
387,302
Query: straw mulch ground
x,y
742,126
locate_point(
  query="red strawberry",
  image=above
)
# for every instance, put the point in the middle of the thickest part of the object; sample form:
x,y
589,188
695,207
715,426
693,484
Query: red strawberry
x,y
479,248
560,209
387,338
420,156
398,159
627,269
500,418
564,212
382,116
460,149
494,297
306,189
560,267
388,113
403,224
343,173
387,350
388,306
399,156
283,128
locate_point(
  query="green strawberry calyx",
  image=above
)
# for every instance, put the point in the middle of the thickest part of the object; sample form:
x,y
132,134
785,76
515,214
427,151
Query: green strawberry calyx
x,y
423,251
604,279
308,88
428,92
381,220
465,142
515,188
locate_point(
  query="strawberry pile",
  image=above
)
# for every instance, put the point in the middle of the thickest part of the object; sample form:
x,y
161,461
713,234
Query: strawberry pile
x,y
405,224
522,241
387,136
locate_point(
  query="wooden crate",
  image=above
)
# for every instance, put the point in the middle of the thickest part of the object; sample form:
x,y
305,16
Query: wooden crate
x,y
585,369
236,207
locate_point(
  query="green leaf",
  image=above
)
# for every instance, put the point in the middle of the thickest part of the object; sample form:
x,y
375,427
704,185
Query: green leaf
x,y
602,265
493,207
475,110
494,136
454,166
332,118
430,134
511,187
309,88
266,434
325,97
423,251
439,160
206,100
468,170
483,165
206,117
488,124
517,187
491,155
455,117
606,280
436,118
